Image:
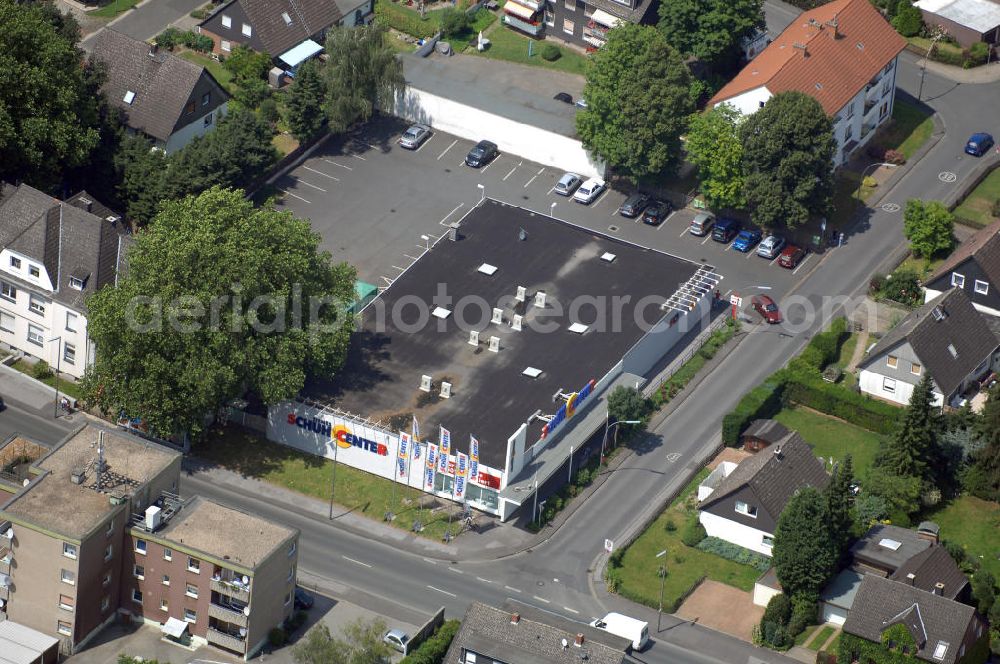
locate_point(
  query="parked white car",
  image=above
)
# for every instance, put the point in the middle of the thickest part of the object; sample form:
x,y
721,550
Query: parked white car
x,y
589,191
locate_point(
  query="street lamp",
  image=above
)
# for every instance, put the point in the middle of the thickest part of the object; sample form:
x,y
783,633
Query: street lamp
x,y
55,405
662,572
607,427
736,301
552,209
482,192
923,63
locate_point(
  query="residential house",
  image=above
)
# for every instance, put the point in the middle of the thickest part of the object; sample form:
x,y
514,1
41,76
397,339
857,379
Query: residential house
x,y
947,338
968,21
975,268
908,621
741,503
53,255
884,549
583,23
843,54
762,433
518,632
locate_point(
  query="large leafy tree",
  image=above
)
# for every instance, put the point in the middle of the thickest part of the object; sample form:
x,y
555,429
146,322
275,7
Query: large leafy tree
x,y
805,555
983,477
638,94
787,155
249,69
928,226
361,644
305,102
713,145
711,30
362,74
140,181
220,298
49,101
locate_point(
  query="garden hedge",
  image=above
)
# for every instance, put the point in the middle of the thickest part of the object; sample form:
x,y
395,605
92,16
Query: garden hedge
x,y
407,20
762,401
433,649
841,402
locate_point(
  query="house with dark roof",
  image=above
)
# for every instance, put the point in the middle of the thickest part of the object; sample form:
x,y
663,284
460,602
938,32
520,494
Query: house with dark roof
x,y
741,503
521,633
909,621
53,255
947,338
843,54
762,433
975,268
159,94
884,549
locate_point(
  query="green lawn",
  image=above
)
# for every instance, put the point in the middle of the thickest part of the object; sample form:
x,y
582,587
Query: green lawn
x,y
846,352
829,436
847,197
214,67
821,638
686,567
284,143
361,492
911,127
952,52
974,524
113,8
64,386
505,44
975,209
921,266
805,634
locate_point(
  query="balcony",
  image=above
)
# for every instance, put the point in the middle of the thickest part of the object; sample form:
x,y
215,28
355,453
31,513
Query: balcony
x,y
527,27
232,588
228,614
534,5
227,641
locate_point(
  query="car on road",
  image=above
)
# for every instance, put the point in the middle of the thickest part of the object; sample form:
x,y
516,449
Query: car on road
x,y
397,639
564,97
702,224
415,136
634,205
656,212
567,184
631,629
765,306
978,144
747,240
303,600
588,192
483,153
725,230
771,246
791,256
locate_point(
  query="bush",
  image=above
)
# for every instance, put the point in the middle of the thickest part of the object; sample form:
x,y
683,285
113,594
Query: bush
x,y
196,42
908,20
277,637
978,53
670,526
454,23
733,552
199,14
902,286
761,402
869,182
433,649
841,402
551,53
693,532
168,39
894,157
995,208
41,370
779,610
803,614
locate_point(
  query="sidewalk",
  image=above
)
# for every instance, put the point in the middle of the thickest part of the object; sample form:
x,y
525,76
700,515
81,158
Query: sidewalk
x,y
975,76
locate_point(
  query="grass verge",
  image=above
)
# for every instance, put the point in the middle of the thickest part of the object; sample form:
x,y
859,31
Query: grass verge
x,y
830,437
214,67
976,208
64,386
911,127
113,8
362,493
284,143
804,635
505,44
847,197
973,523
690,369
404,19
821,638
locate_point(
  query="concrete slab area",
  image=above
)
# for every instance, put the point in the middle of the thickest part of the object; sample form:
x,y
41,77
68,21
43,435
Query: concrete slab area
x,y
723,608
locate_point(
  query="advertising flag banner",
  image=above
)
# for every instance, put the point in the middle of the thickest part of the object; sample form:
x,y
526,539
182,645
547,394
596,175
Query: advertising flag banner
x,y
443,465
429,474
461,469
416,449
404,452
416,429
445,441
473,459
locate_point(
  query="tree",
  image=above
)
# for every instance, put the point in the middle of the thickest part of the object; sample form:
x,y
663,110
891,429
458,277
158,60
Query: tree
x,y
911,451
788,160
49,100
454,22
361,644
220,298
713,145
627,403
249,69
362,74
305,102
805,555
984,590
983,477
140,181
908,20
928,226
710,30
638,94
839,497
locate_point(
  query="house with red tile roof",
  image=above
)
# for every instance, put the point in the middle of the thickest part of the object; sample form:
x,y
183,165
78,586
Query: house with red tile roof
x,y
843,54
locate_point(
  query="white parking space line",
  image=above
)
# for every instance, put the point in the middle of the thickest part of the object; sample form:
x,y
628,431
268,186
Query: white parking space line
x,y
443,592
541,599
708,236
412,258
495,160
666,220
359,157
600,198
455,570
684,232
428,560
456,209
301,181
750,253
479,578
511,589
447,148
775,259
728,247
356,562
551,189
399,268
285,191
425,143
321,173
511,172
801,263
540,171
329,161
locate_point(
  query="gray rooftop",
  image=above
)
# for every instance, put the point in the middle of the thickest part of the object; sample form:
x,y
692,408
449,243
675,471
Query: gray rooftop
x,y
888,546
769,431
979,15
933,570
843,589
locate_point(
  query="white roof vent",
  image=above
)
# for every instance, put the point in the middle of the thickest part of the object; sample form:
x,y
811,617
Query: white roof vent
x,y
890,544
441,312
532,372
129,97
578,328
286,18
487,269
953,350
608,257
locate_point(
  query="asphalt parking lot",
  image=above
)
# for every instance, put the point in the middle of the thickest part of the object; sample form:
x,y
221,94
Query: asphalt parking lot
x,y
379,206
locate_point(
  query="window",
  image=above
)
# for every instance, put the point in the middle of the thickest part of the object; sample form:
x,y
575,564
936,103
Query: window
x,y
190,616
34,271
168,554
109,552
129,97
66,602
849,132
166,580
105,602
850,111
191,590
227,21
69,550
953,350
6,322
68,577
247,30
568,27
748,510
892,361
958,279
288,598
291,550
208,120
37,305
15,262
915,368
194,565
226,46
941,649
140,546
206,99
69,353
138,571
286,18
35,335
137,596
7,291
64,628
767,540
550,19
570,5
982,287
189,108
70,321
889,385
76,283
291,573
164,606
107,580
589,10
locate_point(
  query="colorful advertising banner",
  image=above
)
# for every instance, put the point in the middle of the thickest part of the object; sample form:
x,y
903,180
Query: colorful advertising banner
x,y
568,409
473,459
404,452
416,429
429,474
445,441
461,469
442,466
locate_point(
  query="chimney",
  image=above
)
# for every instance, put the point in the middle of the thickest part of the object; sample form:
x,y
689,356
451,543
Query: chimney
x,y
578,642
801,47
153,48
939,589
515,618
833,23
777,452
910,577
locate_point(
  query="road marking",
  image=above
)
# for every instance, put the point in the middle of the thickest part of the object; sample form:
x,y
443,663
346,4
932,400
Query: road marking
x,y
673,457
776,257
493,161
373,147
455,570
412,258
341,165
725,295
750,253
890,207
401,269
460,205
424,143
683,232
801,263
447,148
708,236
509,174
321,173
540,171
947,176
443,592
356,562
566,608
479,578
301,181
541,599
553,188
428,560
359,157
285,191
600,198
512,589
664,222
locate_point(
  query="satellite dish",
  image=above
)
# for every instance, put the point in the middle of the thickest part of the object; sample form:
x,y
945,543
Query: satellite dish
x,y
3,603
10,533
246,580
243,631
246,611
565,643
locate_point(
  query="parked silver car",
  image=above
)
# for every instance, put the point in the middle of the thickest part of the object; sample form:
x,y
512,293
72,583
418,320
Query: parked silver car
x,y
397,640
567,184
415,136
771,246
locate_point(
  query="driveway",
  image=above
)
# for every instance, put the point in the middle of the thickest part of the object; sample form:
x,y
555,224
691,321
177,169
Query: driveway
x,y
722,608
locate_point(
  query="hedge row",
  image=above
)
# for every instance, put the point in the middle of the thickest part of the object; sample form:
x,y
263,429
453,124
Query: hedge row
x,y
433,649
762,401
736,553
846,404
407,20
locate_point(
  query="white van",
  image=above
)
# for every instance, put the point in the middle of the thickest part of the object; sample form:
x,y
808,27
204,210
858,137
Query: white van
x,y
634,630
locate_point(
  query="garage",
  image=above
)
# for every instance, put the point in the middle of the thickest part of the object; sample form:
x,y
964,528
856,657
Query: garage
x,y
837,598
835,615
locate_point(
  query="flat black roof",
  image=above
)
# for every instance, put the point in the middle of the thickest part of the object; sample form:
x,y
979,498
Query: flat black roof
x,y
490,395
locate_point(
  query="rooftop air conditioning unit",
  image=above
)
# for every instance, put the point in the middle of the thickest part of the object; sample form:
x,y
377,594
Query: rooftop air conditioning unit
x,y
76,477
154,516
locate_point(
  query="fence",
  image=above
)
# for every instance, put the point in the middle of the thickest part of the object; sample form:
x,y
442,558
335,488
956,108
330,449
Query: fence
x,y
692,349
426,631
244,419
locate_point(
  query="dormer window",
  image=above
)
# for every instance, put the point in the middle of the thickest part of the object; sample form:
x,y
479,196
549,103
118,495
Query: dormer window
x,y
957,280
129,97
34,271
227,22
76,283
15,262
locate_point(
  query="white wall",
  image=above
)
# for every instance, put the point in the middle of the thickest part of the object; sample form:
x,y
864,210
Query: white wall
x,y
762,594
748,103
834,614
196,127
871,383
737,533
545,147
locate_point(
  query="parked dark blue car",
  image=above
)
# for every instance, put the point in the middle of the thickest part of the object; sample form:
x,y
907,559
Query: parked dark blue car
x,y
979,144
725,230
747,240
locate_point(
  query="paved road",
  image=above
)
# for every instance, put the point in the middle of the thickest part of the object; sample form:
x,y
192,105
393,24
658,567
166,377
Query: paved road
x,y
148,19
30,410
